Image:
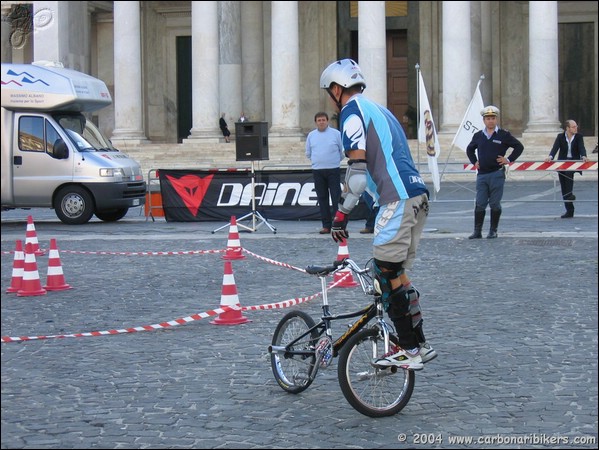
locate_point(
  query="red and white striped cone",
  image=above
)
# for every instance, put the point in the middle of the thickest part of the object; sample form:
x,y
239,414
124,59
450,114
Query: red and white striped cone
x,y
31,284
234,250
349,279
31,237
229,298
17,268
55,280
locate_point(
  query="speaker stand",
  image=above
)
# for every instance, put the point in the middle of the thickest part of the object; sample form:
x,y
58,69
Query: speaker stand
x,y
257,219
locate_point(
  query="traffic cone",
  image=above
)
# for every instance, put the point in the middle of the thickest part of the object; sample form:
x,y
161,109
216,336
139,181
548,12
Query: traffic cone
x,y
234,250
31,284
55,280
17,268
31,237
229,298
341,255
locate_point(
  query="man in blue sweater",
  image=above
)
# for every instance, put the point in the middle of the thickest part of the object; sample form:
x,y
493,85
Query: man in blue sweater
x,y
324,150
487,151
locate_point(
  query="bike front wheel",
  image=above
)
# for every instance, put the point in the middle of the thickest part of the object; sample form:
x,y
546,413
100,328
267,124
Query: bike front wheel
x,y
373,391
292,370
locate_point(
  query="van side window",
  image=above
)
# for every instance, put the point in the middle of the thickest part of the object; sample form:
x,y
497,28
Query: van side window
x,y
31,134
37,134
52,137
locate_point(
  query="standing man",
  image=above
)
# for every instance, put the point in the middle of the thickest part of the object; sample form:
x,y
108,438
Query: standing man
x,y
222,124
570,145
324,150
380,159
492,144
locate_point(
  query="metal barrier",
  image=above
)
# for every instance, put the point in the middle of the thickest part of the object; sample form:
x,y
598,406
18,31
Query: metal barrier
x,y
541,169
153,179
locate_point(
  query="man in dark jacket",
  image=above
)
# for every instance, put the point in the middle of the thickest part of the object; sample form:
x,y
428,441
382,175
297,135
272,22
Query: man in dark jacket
x,y
570,145
487,152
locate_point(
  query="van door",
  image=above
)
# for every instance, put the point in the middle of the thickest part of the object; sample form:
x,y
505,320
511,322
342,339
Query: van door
x,y
40,163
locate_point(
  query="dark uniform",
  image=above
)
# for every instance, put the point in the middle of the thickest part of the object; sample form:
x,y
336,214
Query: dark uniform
x,y
576,151
491,174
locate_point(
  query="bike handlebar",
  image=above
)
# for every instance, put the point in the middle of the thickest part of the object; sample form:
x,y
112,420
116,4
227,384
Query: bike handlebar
x,y
322,271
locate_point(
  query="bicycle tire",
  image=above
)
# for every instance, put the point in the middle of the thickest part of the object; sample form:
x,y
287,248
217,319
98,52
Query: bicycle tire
x,y
292,372
372,391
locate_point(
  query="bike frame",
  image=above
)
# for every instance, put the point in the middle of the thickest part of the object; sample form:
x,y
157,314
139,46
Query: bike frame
x,y
366,314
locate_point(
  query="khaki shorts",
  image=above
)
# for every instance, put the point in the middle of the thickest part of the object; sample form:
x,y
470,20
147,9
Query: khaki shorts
x,y
398,228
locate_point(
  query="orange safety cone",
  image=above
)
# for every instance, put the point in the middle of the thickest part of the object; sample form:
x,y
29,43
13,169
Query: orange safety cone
x,y
17,268
349,279
234,250
31,237
31,284
229,298
55,280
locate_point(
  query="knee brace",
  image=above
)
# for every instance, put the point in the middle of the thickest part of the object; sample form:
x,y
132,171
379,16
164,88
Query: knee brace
x,y
415,311
382,278
398,303
399,311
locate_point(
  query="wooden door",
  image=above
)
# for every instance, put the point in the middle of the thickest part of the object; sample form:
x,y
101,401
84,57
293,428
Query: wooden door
x,y
397,76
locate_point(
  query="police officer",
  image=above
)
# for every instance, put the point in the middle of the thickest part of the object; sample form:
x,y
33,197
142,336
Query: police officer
x,y
487,151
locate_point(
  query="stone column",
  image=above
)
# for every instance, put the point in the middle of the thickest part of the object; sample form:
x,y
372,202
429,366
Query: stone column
x,y
50,24
230,61
204,69
128,99
285,70
457,86
372,49
252,61
543,69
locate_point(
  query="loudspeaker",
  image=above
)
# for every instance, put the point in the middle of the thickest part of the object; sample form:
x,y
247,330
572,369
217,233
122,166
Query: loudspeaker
x,y
251,141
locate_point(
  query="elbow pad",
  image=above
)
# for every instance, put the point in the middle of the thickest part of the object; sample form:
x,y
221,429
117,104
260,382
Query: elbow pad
x,y
355,185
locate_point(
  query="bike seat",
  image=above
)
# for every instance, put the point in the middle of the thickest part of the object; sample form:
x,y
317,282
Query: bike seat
x,y
320,270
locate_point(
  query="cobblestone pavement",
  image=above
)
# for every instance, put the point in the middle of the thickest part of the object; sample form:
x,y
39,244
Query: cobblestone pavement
x,y
514,321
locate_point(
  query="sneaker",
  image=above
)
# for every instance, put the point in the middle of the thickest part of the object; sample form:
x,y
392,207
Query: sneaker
x,y
427,353
406,359
367,231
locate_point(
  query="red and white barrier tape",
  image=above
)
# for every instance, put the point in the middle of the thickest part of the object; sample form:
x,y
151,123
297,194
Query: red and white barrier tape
x,y
183,320
170,253
550,165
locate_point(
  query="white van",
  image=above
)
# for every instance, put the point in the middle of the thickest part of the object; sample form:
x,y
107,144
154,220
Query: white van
x,y
53,156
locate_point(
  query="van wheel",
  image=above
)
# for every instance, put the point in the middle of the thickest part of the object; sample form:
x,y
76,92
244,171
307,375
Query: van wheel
x,y
74,205
112,215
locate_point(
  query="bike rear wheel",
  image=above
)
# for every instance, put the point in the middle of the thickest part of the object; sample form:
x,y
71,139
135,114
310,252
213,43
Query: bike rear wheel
x,y
373,391
292,371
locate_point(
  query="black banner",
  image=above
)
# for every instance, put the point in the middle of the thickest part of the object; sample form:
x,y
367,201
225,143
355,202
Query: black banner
x,y
216,195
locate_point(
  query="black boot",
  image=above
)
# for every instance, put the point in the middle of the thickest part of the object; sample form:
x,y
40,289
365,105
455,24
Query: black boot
x,y
479,219
495,215
569,207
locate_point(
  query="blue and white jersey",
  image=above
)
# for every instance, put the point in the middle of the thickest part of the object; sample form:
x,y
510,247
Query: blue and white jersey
x,y
392,175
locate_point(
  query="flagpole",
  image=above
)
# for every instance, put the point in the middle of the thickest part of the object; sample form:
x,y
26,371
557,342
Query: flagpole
x,y
417,66
480,80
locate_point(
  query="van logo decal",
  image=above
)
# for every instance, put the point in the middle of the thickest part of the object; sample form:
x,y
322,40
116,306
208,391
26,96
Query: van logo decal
x,y
191,189
26,78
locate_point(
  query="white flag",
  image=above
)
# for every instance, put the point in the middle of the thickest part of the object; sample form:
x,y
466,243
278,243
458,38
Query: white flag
x,y
472,121
427,133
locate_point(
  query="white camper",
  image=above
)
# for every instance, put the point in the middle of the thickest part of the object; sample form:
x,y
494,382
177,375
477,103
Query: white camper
x,y
53,156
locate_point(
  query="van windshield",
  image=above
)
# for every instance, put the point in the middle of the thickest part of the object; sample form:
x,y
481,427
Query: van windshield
x,y
84,134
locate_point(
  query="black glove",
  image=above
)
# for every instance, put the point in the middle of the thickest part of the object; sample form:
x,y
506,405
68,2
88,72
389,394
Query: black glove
x,y
338,231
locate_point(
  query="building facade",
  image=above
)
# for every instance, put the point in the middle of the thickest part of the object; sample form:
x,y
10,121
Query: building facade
x,y
174,67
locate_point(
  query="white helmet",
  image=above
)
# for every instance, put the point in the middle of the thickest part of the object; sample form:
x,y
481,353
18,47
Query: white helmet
x,y
345,72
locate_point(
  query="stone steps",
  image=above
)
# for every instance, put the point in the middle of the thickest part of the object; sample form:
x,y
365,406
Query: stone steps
x,y
290,155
